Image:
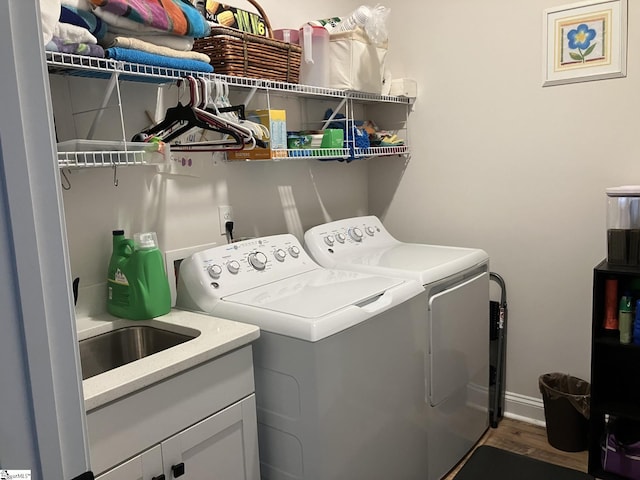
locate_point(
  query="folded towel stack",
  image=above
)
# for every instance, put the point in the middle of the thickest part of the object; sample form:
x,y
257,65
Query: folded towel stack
x,y
83,18
177,17
71,27
153,32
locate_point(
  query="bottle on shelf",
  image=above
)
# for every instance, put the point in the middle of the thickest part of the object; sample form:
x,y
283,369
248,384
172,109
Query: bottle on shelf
x,y
357,19
636,325
625,319
611,304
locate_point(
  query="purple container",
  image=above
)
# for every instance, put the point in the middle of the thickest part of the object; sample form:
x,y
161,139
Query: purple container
x,y
621,459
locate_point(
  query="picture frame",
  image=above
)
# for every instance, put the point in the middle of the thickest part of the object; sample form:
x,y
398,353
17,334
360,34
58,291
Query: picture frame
x,y
585,41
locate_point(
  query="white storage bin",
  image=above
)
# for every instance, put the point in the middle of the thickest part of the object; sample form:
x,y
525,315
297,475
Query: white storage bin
x,y
356,63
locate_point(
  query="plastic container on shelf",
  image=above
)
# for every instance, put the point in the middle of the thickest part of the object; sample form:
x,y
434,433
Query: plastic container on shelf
x,y
314,67
610,304
625,319
359,18
623,225
636,325
287,35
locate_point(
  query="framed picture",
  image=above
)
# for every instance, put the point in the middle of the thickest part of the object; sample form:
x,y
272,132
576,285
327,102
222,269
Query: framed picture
x,y
585,41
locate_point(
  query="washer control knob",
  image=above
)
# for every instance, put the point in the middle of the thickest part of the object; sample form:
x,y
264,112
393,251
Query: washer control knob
x,y
356,234
294,251
329,240
233,266
280,255
340,237
258,260
214,271
370,231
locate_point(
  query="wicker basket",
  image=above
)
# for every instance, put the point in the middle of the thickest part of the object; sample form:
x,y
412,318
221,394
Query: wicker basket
x,y
242,54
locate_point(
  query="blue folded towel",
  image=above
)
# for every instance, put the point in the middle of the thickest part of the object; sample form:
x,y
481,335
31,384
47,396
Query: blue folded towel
x,y
138,56
84,19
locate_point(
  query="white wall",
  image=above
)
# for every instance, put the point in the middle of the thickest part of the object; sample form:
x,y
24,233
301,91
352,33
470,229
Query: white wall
x,y
519,170
498,163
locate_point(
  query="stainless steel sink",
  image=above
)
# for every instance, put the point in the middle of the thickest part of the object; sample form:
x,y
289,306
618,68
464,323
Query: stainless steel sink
x,y
125,345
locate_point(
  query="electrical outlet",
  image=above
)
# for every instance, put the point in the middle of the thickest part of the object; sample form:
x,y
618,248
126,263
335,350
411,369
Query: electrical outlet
x,y
225,214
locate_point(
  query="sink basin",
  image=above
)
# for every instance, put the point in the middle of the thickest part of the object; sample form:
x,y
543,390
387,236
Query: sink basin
x,y
125,345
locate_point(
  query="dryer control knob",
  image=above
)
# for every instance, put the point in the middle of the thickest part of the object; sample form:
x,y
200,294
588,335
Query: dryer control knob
x,y
280,255
340,237
214,271
370,231
258,260
294,251
233,266
356,234
329,240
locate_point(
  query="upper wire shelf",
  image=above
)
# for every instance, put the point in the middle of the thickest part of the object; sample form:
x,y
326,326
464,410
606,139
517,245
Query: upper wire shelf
x,y
93,67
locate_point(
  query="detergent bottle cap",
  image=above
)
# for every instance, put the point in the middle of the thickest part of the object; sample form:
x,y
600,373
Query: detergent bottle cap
x,y
626,303
145,240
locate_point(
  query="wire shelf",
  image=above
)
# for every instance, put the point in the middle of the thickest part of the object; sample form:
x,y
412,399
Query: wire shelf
x,y
347,154
93,67
101,159
98,153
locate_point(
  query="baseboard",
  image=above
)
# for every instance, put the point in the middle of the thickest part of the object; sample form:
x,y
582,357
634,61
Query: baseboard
x,y
523,408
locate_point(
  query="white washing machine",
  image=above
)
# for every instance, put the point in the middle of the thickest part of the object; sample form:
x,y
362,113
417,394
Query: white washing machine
x,y
456,316
339,365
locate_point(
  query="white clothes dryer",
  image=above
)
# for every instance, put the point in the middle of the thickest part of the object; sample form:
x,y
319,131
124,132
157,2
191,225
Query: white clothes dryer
x,y
456,317
339,363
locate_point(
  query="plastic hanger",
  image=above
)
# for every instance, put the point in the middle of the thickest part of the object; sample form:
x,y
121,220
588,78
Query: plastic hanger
x,y
182,118
207,121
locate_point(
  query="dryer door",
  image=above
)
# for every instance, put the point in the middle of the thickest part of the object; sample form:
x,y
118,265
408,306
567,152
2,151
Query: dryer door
x,y
459,337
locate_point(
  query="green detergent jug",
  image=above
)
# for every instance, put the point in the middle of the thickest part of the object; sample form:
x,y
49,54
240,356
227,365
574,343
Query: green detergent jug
x,y
138,288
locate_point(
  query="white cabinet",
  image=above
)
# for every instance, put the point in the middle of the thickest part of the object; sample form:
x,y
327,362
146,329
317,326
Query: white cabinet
x,y
198,424
146,466
218,447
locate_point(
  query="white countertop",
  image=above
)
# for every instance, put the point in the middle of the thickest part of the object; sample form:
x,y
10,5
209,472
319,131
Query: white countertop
x,y
217,336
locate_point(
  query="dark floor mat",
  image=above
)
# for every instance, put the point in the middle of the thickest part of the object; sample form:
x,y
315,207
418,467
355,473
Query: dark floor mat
x,y
490,463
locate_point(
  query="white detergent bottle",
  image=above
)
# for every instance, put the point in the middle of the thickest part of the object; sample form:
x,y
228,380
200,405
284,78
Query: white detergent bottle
x,y
358,18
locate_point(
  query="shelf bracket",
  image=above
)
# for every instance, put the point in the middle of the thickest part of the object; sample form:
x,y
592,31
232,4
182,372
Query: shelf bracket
x,y
113,84
250,96
335,112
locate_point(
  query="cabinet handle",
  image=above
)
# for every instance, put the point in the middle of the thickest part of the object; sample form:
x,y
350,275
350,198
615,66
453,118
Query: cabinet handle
x,y
178,470
159,477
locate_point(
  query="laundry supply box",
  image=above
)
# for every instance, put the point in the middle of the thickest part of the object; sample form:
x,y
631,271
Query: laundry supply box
x,y
355,62
233,17
276,122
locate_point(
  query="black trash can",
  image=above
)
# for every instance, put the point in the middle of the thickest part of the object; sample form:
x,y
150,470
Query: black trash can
x,y
566,410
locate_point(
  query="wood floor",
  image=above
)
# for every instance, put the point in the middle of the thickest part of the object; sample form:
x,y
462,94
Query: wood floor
x,y
530,440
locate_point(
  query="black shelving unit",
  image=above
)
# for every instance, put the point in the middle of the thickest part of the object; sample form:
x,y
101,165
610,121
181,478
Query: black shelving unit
x,y
615,367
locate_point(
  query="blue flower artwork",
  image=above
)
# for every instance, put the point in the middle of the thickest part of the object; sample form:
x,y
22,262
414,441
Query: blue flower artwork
x,y
580,39
584,42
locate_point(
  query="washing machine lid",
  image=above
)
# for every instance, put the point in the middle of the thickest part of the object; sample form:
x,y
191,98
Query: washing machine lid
x,y
315,294
427,263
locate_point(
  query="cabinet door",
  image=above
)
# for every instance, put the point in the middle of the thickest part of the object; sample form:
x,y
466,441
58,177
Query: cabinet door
x,y
223,446
146,466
